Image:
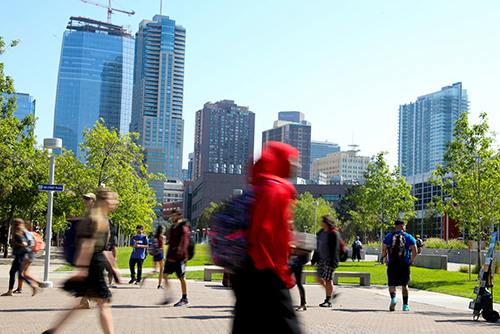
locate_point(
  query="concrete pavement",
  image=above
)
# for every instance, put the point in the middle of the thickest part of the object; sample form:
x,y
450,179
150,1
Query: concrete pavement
x,y
135,310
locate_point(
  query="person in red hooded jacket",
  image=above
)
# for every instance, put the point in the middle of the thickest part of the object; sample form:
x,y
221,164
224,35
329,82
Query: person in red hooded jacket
x,y
263,302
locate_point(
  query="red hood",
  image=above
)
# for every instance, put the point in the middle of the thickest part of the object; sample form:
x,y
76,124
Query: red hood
x,y
274,163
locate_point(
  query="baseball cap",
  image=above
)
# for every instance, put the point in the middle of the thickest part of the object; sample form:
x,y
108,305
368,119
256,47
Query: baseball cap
x,y
90,195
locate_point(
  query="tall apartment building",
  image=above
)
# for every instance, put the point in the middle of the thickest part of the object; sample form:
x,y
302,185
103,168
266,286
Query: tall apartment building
x,y
224,138
426,125
344,164
297,135
158,97
94,81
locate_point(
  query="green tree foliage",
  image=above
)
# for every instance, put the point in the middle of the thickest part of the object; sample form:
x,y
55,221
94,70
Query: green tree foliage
x,y
22,165
304,212
384,198
112,160
470,176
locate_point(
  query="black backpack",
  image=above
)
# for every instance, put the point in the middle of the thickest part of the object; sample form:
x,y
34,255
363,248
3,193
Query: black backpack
x,y
397,246
70,235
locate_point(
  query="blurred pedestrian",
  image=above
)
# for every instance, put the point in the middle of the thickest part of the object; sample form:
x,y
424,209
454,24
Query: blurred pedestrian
x,y
357,246
3,237
27,260
420,244
157,249
139,243
92,238
327,256
263,302
298,260
20,245
177,255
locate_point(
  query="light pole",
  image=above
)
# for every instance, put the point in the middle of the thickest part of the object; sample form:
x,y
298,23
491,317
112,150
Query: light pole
x,y
315,204
49,143
197,235
447,199
305,229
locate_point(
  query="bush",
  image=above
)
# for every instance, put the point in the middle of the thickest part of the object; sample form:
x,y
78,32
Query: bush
x,y
441,244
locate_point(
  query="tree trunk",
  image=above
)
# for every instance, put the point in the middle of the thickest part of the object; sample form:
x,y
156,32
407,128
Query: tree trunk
x,y
479,250
381,256
9,224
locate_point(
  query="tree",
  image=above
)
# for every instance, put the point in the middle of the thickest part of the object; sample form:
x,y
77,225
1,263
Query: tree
x,y
203,221
22,165
353,227
470,177
304,212
110,159
384,198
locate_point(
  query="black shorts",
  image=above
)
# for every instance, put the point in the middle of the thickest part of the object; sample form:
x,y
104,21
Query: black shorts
x,y
398,273
179,268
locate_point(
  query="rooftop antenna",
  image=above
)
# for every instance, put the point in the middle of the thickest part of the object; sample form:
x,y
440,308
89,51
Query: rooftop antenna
x,y
354,147
110,9
161,7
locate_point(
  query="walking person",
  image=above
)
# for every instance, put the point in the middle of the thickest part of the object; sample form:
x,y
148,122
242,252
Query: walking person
x,y
298,260
263,302
21,247
27,260
357,246
327,256
139,243
92,238
157,249
400,250
113,249
177,255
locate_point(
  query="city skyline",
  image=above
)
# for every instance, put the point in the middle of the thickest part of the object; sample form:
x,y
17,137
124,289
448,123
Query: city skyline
x,y
347,66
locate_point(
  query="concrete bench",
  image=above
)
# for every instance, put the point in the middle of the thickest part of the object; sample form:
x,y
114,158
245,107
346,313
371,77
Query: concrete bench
x,y
364,278
212,270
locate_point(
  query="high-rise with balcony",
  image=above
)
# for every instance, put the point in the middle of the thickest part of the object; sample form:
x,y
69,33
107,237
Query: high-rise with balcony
x,y
224,138
426,125
94,81
158,97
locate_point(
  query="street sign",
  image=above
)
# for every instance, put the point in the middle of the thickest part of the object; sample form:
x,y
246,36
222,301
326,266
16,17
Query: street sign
x,y
50,187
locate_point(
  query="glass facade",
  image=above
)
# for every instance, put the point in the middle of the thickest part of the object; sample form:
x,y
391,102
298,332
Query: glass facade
x,y
158,91
425,127
25,104
95,80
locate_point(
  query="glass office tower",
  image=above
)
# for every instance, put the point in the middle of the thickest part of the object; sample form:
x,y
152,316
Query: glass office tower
x,y
158,96
425,126
95,80
25,104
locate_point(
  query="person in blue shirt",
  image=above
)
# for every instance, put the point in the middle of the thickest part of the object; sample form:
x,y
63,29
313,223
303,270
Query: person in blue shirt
x,y
139,243
400,250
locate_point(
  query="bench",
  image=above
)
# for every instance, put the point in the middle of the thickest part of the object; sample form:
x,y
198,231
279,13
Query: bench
x,y
212,270
364,278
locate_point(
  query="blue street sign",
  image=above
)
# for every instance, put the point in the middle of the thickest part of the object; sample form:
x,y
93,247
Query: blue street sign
x,y
50,187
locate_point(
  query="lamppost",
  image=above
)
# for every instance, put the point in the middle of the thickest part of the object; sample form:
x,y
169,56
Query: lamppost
x,y
447,199
315,204
203,236
305,229
197,235
208,234
49,143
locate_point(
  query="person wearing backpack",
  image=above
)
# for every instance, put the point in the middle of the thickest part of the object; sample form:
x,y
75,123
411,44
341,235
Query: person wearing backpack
x,y
177,255
157,250
139,243
21,246
356,249
327,257
28,258
399,250
263,302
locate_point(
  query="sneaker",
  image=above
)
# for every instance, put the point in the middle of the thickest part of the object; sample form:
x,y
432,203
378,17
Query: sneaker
x,y
112,286
138,282
132,281
160,287
406,308
182,302
394,301
325,304
301,308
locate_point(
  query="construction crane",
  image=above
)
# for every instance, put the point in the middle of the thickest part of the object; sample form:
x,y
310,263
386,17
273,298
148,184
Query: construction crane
x,y
110,9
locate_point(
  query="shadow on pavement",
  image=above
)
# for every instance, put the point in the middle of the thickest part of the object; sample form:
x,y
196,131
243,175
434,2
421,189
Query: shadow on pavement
x,y
201,317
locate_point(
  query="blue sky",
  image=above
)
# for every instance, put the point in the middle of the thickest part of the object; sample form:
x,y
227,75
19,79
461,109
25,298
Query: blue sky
x,y
347,65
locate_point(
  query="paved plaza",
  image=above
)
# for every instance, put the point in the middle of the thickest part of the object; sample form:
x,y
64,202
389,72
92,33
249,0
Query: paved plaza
x,y
136,310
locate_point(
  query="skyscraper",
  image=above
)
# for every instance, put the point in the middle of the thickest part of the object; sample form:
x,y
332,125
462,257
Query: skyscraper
x,y
94,81
297,135
25,104
158,96
425,126
224,138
